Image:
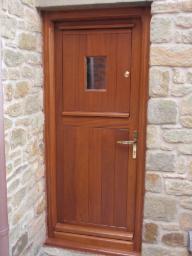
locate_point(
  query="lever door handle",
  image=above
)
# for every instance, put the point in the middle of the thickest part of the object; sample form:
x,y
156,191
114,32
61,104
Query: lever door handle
x,y
126,142
131,142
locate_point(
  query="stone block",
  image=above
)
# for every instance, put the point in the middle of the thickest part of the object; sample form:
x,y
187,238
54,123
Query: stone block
x,y
159,25
27,41
184,21
186,203
177,135
153,182
183,36
162,111
186,105
158,82
160,161
179,90
14,110
178,76
185,149
15,7
8,92
153,250
186,121
178,187
18,137
21,89
168,6
150,232
32,104
185,221
8,30
173,239
20,245
12,58
153,136
175,55
159,207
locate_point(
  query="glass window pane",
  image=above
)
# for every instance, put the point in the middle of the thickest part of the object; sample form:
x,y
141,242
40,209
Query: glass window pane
x,y
96,69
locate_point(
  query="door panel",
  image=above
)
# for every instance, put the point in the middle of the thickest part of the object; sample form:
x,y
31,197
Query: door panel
x,y
93,177
115,48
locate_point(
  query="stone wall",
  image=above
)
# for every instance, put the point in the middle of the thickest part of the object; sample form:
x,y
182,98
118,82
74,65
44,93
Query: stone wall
x,y
22,83
168,201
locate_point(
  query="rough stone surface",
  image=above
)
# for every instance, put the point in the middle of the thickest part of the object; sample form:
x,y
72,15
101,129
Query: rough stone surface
x,y
173,239
153,183
169,135
161,111
174,55
21,59
160,208
159,80
160,161
159,25
150,232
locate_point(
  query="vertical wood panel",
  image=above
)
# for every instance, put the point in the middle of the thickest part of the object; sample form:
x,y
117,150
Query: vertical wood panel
x,y
68,190
95,176
121,173
123,63
107,169
81,173
70,70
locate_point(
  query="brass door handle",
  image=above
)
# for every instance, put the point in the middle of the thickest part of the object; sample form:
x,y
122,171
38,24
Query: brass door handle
x,y
131,142
126,142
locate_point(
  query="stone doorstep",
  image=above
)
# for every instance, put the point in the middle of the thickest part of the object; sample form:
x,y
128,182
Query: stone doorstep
x,y
60,4
52,251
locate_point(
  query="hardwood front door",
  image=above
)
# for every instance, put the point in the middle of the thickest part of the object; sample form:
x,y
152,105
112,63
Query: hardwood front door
x,y
96,190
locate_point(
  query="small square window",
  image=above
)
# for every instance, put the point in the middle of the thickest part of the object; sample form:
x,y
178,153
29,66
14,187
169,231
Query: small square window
x,y
96,72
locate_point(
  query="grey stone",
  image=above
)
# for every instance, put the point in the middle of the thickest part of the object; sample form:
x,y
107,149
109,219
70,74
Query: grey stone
x,y
160,161
161,111
186,105
185,149
12,58
178,187
149,250
20,245
159,25
8,30
184,21
18,137
158,82
159,207
32,104
15,7
178,135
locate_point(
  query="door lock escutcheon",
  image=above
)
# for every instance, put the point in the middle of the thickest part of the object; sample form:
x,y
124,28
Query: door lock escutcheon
x,y
131,142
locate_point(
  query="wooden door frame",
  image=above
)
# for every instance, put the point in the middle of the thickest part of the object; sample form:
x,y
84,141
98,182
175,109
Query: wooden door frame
x,y
49,19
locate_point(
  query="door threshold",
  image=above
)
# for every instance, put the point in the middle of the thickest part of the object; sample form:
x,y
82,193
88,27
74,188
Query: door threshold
x,y
68,245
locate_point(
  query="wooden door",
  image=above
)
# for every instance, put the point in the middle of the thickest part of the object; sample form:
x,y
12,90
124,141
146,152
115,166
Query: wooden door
x,y
97,106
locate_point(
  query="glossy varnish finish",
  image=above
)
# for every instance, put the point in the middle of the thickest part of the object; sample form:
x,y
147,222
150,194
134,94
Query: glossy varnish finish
x,y
95,187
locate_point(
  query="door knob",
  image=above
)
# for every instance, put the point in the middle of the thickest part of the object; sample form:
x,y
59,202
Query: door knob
x,y
126,74
131,142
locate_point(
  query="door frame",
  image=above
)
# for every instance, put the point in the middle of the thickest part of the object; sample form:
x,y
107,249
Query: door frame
x,y
49,19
